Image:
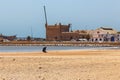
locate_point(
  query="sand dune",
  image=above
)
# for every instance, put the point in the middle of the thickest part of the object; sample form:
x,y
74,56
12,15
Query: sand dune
x,y
61,65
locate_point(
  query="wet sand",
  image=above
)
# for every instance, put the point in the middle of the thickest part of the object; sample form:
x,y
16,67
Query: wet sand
x,y
61,65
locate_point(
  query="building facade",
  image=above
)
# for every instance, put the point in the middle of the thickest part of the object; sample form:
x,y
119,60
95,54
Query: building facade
x,y
4,38
103,34
59,32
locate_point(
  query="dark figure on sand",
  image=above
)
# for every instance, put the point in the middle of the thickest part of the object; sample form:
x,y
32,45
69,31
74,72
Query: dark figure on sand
x,y
44,49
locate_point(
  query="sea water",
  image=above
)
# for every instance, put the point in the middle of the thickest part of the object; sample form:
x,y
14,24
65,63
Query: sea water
x,y
49,48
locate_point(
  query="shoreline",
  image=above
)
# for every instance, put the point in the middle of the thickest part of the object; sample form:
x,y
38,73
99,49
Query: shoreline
x,y
59,43
7,49
64,52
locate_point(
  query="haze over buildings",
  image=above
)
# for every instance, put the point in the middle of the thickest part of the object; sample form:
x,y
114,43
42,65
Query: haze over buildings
x,y
19,16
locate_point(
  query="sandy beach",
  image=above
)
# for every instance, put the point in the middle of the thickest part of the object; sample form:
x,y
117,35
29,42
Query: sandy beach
x,y
61,65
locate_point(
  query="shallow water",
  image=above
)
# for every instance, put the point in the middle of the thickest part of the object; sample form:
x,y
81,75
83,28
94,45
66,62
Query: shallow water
x,y
39,48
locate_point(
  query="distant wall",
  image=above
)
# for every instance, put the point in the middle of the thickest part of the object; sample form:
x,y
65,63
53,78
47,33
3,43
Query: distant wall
x,y
54,32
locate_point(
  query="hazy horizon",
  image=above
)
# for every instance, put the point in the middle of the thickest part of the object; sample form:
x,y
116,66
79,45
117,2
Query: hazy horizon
x,y
26,17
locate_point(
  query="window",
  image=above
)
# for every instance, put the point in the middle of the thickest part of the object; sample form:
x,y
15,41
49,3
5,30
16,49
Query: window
x,y
96,39
100,39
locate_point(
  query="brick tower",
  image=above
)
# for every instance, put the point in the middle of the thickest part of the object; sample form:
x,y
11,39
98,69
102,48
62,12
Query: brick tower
x,y
54,32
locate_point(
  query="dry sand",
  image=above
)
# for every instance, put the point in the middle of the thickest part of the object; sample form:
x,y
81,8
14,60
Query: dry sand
x,y
61,65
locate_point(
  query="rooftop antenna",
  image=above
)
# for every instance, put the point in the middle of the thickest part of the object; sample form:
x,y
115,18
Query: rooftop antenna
x,y
45,15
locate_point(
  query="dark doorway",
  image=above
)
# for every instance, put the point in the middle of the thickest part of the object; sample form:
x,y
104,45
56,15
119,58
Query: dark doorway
x,y
112,39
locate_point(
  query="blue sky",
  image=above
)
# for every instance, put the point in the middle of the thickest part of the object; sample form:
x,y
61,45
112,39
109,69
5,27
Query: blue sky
x,y
19,17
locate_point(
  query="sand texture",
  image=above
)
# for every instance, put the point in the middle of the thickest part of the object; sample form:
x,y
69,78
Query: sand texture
x,y
61,65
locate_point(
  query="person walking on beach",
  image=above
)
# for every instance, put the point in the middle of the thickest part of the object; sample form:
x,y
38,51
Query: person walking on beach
x,y
44,49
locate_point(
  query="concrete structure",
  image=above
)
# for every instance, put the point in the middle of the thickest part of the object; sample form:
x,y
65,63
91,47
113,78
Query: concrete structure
x,y
59,32
4,38
103,34
54,32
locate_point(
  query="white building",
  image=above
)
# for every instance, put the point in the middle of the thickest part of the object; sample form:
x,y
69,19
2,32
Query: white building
x,y
103,34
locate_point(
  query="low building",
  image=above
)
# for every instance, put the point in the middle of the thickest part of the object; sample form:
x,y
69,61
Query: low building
x,y
68,36
4,38
103,34
83,34
59,32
